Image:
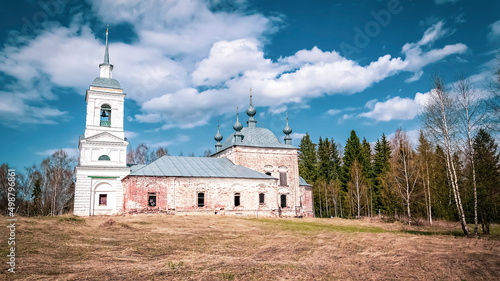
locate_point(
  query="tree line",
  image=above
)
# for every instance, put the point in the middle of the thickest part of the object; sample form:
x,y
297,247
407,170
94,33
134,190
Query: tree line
x,y
451,173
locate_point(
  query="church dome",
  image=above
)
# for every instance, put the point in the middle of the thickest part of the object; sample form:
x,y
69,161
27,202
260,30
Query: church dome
x,y
258,137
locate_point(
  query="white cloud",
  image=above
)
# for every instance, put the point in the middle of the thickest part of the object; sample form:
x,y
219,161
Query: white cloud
x,y
494,31
190,63
417,59
397,108
130,135
333,111
72,152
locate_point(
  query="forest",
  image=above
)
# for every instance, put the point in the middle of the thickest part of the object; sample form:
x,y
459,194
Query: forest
x,y
452,172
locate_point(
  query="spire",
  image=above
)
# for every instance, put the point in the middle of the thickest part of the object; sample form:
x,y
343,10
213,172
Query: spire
x,y
106,52
218,137
237,127
251,113
287,131
105,67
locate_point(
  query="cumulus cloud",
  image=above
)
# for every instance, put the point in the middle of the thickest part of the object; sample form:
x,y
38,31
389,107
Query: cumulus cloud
x,y
494,31
397,108
190,62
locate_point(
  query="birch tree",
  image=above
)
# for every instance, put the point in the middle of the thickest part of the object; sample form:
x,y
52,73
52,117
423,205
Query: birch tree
x,y
440,121
404,169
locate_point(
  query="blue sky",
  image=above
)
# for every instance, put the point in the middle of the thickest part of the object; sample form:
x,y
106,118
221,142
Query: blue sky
x,y
186,65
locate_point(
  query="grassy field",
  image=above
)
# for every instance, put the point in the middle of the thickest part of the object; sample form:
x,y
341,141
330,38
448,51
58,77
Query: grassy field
x,y
156,247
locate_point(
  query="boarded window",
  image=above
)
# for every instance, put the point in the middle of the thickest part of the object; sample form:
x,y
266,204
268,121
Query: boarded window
x,y
152,199
283,201
103,199
237,199
283,179
261,198
201,199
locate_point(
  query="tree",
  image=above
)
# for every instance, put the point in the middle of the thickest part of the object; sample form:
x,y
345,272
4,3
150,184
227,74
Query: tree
x,y
424,151
366,163
307,159
487,159
356,187
381,165
207,153
472,117
404,169
440,121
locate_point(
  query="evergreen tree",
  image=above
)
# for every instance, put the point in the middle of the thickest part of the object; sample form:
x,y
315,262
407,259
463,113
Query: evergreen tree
x,y
487,159
367,166
307,159
381,166
352,153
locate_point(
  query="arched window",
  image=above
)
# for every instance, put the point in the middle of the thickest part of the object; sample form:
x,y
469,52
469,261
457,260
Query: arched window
x,y
105,115
104,158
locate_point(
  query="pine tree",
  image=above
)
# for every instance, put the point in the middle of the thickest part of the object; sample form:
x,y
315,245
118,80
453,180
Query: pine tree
x,y
381,165
487,159
366,163
307,159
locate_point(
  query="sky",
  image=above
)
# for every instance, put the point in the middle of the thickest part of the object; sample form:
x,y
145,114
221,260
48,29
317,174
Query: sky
x,y
186,66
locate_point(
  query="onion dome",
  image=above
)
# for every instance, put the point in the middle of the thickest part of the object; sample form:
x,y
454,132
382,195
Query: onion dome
x,y
287,131
218,137
237,126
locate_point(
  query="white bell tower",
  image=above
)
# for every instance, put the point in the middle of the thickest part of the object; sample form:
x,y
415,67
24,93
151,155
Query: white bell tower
x,y
103,147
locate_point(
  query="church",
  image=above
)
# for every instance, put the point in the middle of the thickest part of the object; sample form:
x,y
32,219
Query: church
x,y
251,173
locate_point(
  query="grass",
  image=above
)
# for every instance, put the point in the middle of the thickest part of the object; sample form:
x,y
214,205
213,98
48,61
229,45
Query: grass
x,y
161,247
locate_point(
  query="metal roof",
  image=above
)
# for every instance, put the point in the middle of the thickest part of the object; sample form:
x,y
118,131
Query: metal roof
x,y
303,182
259,137
204,167
106,83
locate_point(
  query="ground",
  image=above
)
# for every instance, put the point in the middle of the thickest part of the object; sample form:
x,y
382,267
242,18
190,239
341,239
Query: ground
x,y
163,247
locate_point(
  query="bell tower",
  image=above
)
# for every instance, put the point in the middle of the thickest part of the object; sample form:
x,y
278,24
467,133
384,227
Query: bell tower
x,y
103,147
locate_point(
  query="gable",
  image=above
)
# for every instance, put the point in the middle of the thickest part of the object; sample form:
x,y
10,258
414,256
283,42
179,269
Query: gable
x,y
104,137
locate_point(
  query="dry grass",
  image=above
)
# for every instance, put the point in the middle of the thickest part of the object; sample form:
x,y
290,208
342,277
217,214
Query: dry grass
x,y
161,247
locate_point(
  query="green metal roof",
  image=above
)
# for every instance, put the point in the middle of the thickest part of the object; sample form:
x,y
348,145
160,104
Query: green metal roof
x,y
106,83
258,137
203,167
302,182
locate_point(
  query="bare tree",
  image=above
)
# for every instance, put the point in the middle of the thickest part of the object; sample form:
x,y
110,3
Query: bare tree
x,y
357,187
472,117
404,169
440,120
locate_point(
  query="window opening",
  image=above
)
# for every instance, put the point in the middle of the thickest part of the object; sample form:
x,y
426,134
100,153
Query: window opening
x,y
261,198
104,158
283,201
105,115
201,199
103,200
237,199
152,199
